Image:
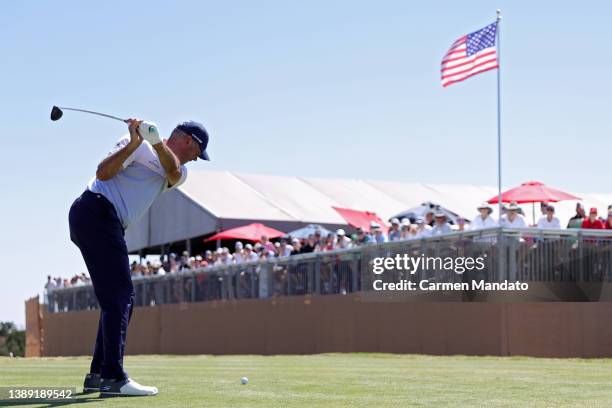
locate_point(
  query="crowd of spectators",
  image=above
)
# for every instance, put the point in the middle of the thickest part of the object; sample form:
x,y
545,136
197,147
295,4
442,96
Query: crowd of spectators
x,y
433,223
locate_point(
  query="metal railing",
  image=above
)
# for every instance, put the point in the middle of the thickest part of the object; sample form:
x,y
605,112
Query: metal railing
x,y
526,255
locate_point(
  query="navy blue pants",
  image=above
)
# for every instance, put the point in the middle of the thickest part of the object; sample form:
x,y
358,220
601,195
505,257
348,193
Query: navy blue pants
x,y
95,228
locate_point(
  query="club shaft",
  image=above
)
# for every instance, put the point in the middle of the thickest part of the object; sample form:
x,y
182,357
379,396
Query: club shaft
x,y
93,113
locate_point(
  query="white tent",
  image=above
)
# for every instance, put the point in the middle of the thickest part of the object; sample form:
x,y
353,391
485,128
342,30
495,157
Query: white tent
x,y
210,201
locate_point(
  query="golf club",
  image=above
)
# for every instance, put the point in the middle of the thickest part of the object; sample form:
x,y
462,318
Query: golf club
x,y
145,128
57,113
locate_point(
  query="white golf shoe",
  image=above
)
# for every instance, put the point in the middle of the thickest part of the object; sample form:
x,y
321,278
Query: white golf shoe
x,y
126,388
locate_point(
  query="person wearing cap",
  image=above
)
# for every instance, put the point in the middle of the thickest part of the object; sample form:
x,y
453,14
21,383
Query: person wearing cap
x,y
378,235
592,222
297,245
406,229
513,219
343,241
238,252
421,229
441,225
249,255
395,234
363,237
137,170
576,220
483,219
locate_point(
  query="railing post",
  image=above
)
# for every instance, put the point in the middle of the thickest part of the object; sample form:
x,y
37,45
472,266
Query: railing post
x,y
144,293
580,257
354,272
500,254
317,275
193,287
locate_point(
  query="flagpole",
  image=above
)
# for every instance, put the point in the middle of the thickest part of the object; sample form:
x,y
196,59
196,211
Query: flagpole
x,y
499,168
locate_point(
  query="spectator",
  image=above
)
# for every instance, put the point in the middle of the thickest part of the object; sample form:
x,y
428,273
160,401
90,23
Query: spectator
x,y
395,234
50,285
238,254
441,225
549,221
266,244
317,238
157,268
513,219
592,222
249,255
362,237
309,245
208,257
343,241
226,257
421,229
608,223
484,219
297,246
405,229
284,249
184,260
429,218
379,236
543,208
329,244
576,220
173,264
460,224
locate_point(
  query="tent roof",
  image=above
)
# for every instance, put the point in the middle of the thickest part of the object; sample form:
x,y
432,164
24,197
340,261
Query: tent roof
x,y
211,201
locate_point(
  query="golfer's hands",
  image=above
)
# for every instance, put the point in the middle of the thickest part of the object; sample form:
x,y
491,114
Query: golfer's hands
x,y
135,136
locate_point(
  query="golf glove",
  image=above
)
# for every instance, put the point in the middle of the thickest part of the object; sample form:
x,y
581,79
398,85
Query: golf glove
x,y
149,132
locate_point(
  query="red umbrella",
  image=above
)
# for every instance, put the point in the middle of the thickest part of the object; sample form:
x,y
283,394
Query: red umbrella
x,y
533,192
251,232
360,219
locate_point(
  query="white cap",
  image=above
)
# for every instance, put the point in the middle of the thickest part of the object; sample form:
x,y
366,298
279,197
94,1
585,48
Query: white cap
x,y
340,232
394,221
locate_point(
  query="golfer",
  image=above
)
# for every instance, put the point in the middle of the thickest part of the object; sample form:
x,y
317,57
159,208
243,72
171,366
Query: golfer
x,y
128,180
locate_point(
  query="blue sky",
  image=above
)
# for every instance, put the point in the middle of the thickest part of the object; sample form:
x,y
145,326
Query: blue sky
x,y
318,88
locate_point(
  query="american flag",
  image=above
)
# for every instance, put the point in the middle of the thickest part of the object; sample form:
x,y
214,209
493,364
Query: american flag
x,y
470,55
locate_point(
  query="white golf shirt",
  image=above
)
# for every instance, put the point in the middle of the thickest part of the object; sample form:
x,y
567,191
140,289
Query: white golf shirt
x,y
479,223
133,189
519,222
552,224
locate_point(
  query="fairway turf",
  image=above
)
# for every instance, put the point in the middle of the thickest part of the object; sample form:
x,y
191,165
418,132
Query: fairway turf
x,y
336,380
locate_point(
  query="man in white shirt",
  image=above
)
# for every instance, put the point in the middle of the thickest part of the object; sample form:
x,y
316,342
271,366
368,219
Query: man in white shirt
x,y
549,221
484,219
513,219
136,171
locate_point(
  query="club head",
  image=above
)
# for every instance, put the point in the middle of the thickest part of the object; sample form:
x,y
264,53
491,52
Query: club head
x,y
56,113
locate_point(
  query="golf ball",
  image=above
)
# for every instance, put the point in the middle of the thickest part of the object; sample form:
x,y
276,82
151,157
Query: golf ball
x,y
244,380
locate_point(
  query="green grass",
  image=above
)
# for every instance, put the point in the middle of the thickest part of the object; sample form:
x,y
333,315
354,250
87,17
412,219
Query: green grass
x,y
335,380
